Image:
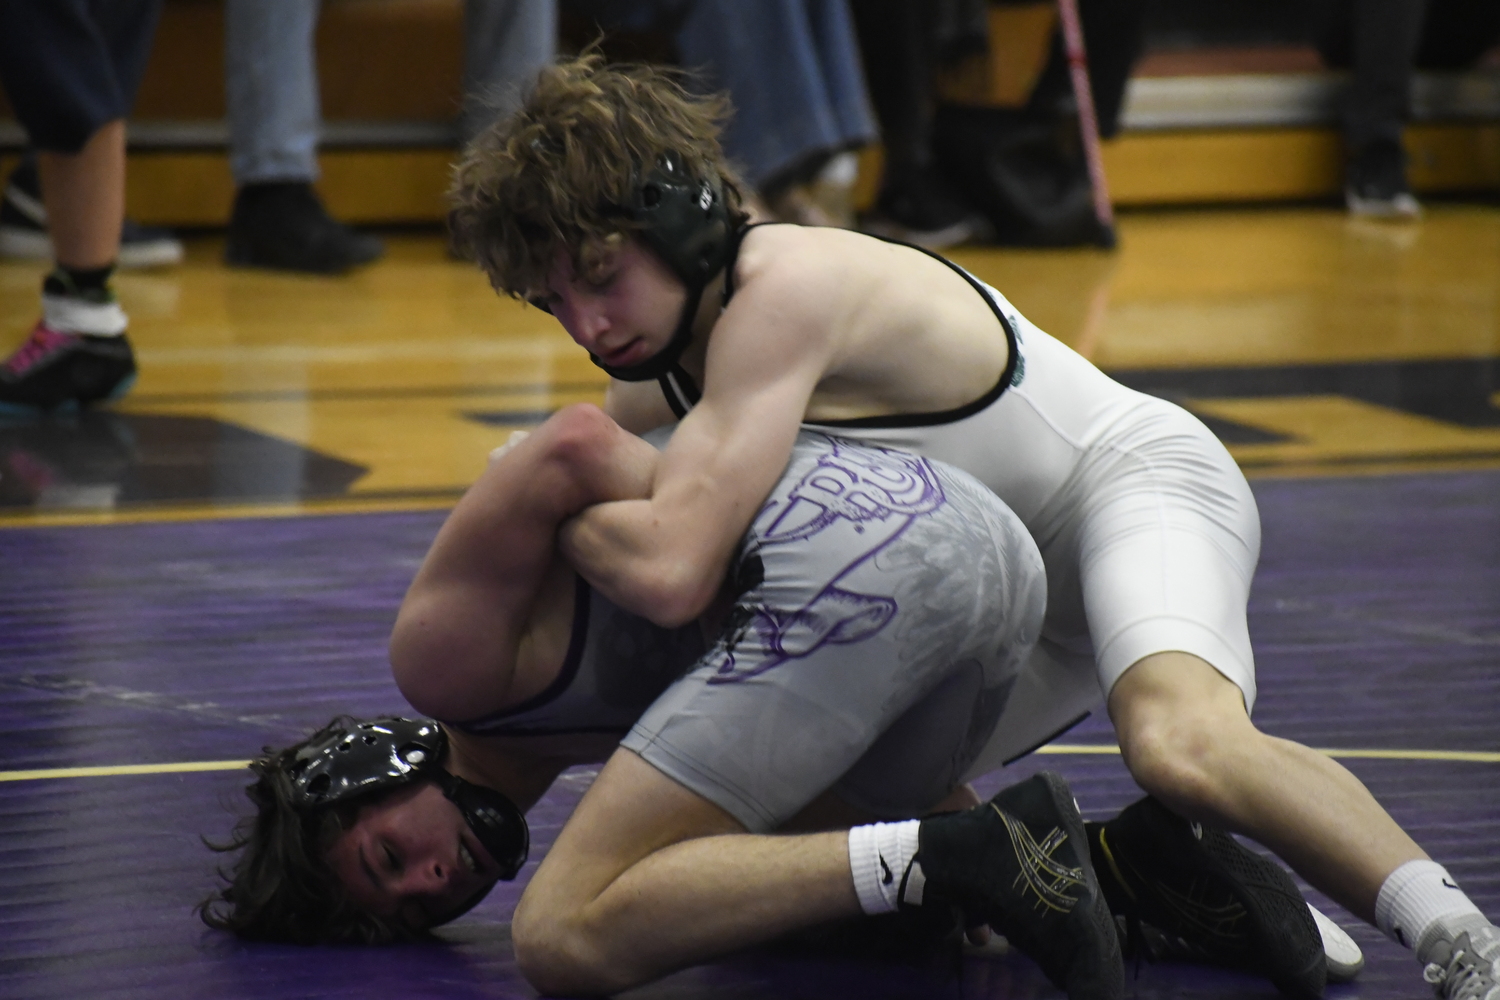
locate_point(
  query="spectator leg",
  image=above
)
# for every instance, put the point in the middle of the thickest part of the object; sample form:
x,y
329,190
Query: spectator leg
x,y
1386,34
271,84
783,120
506,43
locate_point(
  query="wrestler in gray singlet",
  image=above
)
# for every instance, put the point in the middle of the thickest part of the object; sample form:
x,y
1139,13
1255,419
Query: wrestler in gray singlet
x,y
888,603
885,604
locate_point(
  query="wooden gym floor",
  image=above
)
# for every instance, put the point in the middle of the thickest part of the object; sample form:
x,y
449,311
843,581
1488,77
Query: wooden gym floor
x,y
214,565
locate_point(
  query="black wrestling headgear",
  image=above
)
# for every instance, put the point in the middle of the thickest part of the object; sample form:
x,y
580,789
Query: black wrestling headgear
x,y
386,753
686,223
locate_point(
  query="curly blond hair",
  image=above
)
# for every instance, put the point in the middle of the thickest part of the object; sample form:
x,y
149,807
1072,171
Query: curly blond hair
x,y
553,176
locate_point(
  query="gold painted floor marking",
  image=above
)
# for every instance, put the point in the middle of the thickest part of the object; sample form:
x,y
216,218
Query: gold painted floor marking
x,y
1464,756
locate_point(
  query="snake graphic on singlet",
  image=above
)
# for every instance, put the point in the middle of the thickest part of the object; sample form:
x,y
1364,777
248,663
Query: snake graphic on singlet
x,y
871,496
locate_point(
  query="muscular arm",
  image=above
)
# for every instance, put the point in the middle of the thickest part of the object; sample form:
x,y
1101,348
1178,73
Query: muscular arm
x,y
664,557
456,640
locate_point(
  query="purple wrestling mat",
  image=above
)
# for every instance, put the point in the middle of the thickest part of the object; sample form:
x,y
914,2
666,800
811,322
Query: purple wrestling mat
x,y
1376,616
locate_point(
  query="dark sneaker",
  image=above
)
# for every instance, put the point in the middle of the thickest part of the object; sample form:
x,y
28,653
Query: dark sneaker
x,y
23,228
1468,967
1020,863
1375,183
56,370
284,226
1207,897
920,209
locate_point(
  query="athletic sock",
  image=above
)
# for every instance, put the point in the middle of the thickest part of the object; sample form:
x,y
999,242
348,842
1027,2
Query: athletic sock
x,y
1419,904
79,300
882,859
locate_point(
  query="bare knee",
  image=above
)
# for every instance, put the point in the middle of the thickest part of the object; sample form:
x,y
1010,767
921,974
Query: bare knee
x,y
1182,728
560,955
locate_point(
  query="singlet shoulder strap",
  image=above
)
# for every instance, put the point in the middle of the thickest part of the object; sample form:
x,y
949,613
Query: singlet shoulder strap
x,y
968,409
577,641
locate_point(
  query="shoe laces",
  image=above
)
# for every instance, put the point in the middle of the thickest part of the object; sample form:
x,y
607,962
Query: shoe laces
x,y
1467,973
43,343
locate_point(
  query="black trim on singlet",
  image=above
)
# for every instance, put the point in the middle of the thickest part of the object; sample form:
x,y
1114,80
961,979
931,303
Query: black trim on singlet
x,y
691,394
576,642
685,390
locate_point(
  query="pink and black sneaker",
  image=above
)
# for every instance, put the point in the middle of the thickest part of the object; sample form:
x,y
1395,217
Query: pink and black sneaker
x,y
55,370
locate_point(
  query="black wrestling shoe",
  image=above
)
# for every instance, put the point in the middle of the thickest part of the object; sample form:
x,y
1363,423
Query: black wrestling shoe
x,y
1212,899
1020,863
284,226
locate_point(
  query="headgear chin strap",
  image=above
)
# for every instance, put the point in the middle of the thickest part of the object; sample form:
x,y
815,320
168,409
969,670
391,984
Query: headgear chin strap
x,y
387,753
685,221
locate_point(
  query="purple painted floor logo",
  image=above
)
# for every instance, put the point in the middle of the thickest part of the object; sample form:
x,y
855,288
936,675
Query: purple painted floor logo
x,y
850,487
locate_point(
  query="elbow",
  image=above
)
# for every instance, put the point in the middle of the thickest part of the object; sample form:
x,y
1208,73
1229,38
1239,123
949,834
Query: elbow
x,y
673,593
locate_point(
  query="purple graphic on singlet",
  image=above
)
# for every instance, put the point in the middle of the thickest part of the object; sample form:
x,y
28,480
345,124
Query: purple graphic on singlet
x,y
853,488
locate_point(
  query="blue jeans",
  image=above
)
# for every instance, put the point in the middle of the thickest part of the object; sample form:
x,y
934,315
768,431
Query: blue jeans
x,y
271,78
791,68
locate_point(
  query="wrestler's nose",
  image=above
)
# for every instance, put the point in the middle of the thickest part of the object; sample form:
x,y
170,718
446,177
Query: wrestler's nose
x,y
429,875
590,323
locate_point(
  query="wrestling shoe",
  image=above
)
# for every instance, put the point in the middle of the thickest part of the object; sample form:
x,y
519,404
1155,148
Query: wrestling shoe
x,y
1468,967
1206,896
1020,863
23,228
54,369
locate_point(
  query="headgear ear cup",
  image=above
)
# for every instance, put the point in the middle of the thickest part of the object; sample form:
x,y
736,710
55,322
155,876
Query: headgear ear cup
x,y
684,221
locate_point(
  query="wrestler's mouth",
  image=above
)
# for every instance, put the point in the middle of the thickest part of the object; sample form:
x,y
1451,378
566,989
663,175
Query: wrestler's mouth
x,y
474,857
625,354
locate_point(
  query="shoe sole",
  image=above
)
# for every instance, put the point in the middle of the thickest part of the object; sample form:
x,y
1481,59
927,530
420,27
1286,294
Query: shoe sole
x,y
1345,960
1281,927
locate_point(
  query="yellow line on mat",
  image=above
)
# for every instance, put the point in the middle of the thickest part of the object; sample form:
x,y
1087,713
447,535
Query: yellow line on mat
x,y
1465,756
117,769
1469,756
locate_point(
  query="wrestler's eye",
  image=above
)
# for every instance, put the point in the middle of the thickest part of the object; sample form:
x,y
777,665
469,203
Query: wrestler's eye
x,y
601,280
391,858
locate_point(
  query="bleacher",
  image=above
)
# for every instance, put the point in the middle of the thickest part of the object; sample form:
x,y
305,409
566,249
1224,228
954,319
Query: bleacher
x,y
1209,125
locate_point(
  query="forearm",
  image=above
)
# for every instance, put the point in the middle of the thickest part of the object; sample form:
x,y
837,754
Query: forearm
x,y
644,562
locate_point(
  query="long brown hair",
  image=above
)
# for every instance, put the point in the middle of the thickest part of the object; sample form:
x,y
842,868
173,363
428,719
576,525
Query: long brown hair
x,y
281,887
550,177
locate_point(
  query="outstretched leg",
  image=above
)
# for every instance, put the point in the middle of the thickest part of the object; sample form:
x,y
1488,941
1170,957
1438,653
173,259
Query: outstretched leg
x,y
1188,740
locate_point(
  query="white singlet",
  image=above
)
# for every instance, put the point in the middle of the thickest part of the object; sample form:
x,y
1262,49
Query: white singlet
x,y
1147,528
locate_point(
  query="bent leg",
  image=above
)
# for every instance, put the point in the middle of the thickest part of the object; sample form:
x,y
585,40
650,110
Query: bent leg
x,y
647,877
1188,740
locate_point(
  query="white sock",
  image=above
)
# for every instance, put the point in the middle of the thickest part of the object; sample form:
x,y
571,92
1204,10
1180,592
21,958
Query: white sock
x,y
882,859
1417,901
69,315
